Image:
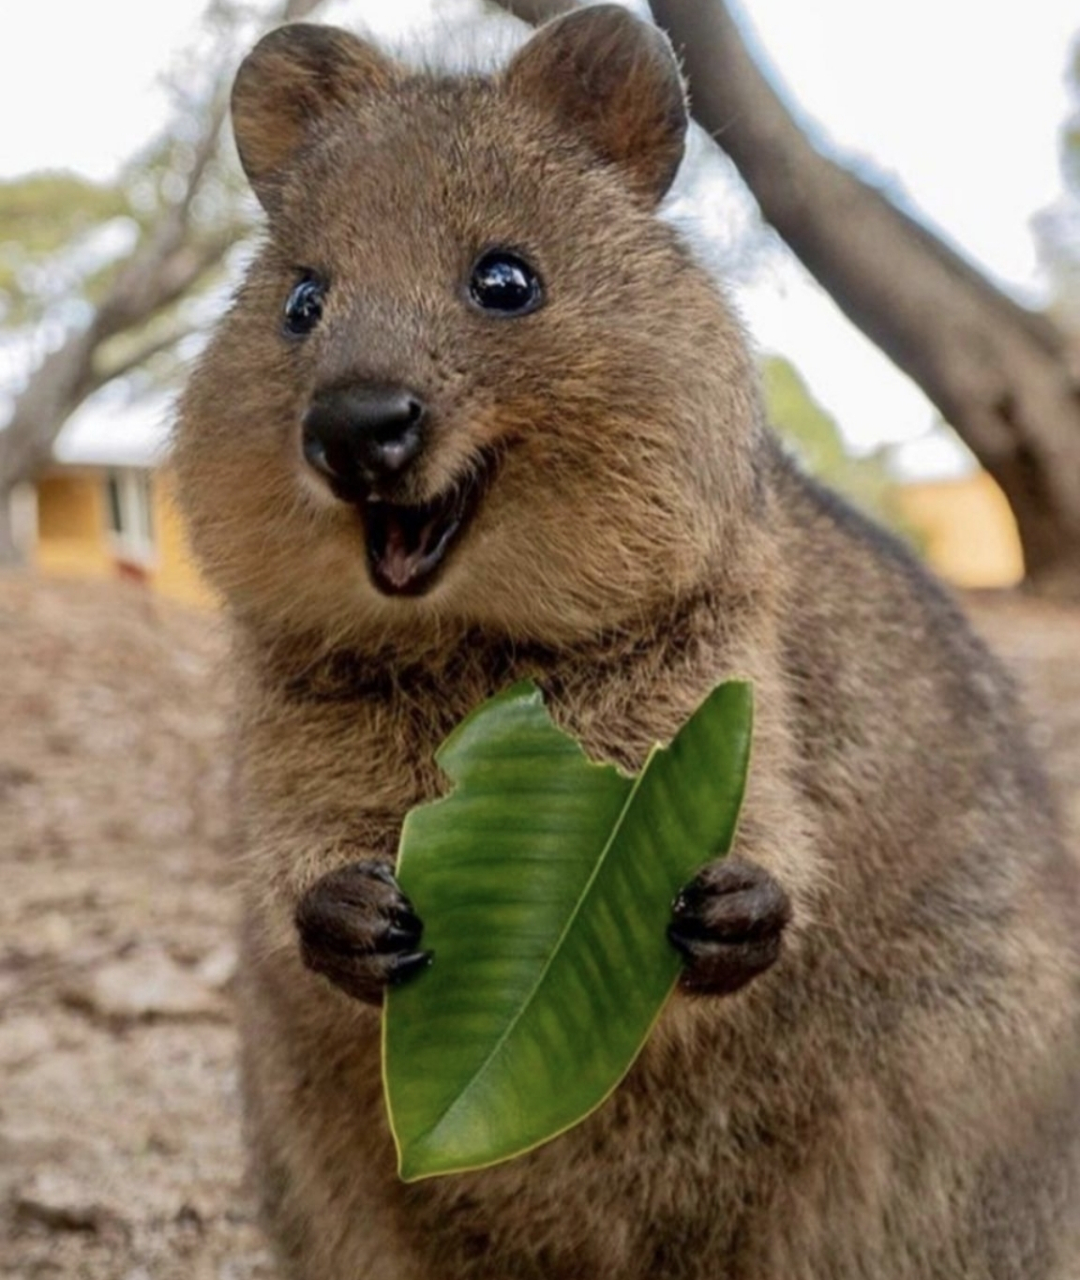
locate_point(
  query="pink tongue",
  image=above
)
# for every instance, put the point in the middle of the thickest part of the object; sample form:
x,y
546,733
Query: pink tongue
x,y
400,563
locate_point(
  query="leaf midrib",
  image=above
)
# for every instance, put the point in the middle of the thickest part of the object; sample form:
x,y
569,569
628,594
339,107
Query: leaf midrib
x,y
527,1003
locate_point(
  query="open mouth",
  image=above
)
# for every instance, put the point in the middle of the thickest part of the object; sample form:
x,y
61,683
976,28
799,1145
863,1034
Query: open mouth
x,y
408,545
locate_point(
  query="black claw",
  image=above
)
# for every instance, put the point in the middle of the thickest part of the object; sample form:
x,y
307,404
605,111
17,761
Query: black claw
x,y
404,967
689,900
395,938
404,917
683,938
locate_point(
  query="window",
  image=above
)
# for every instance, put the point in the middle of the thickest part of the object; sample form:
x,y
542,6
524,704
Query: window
x,y
130,512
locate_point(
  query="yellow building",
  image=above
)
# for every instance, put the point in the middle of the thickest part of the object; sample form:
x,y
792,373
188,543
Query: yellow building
x,y
112,521
121,521
106,509
966,528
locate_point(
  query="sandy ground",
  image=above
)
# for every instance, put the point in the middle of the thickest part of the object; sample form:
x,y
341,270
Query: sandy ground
x,y
120,1156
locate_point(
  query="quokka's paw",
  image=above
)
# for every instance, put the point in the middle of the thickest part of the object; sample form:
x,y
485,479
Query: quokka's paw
x,y
728,924
359,930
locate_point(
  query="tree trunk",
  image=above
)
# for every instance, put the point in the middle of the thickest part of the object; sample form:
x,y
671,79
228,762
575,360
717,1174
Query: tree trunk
x,y
57,387
11,555
999,374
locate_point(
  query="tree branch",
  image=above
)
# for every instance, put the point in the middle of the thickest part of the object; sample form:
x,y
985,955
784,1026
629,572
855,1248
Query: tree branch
x,y
154,280
998,372
297,10
164,266
536,11
142,355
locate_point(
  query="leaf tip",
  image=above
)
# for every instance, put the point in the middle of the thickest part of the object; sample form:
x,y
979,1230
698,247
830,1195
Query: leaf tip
x,y
419,1160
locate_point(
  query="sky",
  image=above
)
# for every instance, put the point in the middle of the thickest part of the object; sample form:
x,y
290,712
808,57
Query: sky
x,y
955,105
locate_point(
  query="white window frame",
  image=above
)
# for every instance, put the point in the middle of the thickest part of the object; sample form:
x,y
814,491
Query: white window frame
x,y
133,541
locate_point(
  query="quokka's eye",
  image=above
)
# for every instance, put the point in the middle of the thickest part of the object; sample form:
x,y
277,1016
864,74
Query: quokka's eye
x,y
505,283
304,306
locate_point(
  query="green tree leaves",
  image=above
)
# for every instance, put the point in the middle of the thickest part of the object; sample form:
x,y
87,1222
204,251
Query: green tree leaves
x,y
545,882
816,440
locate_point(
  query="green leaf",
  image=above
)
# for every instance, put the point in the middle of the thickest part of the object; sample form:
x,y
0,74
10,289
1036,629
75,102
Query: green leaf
x,y
545,882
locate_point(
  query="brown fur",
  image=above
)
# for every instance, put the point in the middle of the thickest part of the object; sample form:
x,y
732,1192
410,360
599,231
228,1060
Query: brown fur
x,y
897,1097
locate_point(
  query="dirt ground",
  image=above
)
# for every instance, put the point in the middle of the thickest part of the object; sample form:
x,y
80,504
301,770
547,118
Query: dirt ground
x,y
119,1146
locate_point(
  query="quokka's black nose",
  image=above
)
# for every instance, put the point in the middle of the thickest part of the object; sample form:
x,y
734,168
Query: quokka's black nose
x,y
363,436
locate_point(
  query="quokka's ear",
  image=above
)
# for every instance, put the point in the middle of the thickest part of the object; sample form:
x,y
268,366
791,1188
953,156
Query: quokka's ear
x,y
290,81
614,80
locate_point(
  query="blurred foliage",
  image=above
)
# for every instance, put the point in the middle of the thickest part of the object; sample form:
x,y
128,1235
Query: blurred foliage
x,y
109,285
44,211
65,240
48,225
813,436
